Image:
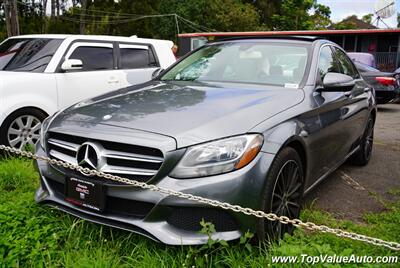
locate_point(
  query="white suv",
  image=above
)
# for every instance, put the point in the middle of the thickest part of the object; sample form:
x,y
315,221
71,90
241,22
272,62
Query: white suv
x,y
41,74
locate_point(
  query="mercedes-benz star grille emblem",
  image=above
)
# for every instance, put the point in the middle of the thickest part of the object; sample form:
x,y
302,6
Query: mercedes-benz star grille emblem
x,y
88,156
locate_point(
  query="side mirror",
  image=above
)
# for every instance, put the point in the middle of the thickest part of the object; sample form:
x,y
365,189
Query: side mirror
x,y
156,73
337,82
72,64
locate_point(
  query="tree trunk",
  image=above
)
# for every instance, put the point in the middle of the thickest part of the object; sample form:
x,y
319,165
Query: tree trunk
x,y
43,15
53,8
7,16
58,7
15,21
11,16
82,25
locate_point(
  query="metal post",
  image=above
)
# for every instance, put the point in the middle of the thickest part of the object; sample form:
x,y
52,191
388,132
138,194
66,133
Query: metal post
x,y
398,52
355,43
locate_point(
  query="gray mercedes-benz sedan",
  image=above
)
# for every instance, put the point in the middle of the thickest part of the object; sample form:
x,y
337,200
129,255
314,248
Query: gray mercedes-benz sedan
x,y
253,122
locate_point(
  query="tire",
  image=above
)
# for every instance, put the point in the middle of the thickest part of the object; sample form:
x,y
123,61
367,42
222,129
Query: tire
x,y
21,128
362,156
287,159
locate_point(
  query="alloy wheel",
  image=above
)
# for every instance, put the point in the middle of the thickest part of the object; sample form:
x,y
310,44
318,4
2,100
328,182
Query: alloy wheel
x,y
286,197
23,131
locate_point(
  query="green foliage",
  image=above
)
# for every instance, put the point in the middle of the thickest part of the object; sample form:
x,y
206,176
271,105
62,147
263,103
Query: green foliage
x,y
221,15
124,17
37,236
367,18
16,174
321,17
398,20
295,15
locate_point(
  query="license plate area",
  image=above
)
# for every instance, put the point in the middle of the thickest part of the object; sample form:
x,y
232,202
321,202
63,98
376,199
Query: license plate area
x,y
85,193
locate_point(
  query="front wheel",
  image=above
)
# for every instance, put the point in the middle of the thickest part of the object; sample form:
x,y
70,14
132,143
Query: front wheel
x,y
22,128
283,194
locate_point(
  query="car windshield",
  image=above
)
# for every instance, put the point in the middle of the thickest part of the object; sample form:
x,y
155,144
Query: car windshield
x,y
273,63
27,54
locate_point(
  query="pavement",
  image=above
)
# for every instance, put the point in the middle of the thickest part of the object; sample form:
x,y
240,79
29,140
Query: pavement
x,y
351,191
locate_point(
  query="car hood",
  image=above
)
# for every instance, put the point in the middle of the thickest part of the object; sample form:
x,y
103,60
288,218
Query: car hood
x,y
189,112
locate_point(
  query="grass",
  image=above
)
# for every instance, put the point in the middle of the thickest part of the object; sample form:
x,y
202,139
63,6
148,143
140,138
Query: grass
x,y
32,235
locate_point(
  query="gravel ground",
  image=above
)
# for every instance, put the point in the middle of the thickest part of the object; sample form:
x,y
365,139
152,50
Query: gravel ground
x,y
351,191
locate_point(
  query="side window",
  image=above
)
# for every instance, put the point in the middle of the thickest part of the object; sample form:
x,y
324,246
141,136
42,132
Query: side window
x,y
94,57
327,63
135,57
347,67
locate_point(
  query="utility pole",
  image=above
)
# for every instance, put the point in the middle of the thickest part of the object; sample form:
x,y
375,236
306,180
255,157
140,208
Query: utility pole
x,y
11,15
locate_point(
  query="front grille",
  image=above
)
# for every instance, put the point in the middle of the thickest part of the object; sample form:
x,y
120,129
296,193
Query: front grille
x,y
114,205
126,160
189,218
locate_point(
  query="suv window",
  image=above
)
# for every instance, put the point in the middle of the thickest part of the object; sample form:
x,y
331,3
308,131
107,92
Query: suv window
x,y
27,54
135,57
327,63
94,58
347,66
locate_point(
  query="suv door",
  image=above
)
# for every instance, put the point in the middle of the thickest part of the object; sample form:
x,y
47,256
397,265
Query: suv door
x,y
137,62
97,76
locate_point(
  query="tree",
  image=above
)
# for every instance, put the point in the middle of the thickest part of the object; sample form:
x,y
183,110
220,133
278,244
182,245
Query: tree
x,y
266,9
398,20
125,17
294,15
367,18
321,17
220,15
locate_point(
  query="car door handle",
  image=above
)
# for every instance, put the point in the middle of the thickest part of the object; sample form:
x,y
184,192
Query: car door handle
x,y
367,89
112,81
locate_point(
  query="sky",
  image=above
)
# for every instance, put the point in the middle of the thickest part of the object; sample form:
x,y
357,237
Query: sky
x,y
343,8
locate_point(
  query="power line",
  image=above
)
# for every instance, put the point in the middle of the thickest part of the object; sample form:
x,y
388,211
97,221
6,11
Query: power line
x,y
197,25
127,17
114,21
190,26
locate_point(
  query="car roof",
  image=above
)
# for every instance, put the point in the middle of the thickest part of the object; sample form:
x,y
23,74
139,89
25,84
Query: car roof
x,y
276,37
96,38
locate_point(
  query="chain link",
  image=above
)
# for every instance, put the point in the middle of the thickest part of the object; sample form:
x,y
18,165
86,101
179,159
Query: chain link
x,y
215,203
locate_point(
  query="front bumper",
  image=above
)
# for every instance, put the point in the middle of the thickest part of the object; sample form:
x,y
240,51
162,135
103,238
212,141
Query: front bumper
x,y
149,213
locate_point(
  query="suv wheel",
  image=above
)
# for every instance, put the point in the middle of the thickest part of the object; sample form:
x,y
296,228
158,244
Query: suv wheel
x,y
22,128
283,194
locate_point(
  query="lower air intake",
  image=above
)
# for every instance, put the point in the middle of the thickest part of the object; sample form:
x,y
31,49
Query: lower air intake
x,y
189,219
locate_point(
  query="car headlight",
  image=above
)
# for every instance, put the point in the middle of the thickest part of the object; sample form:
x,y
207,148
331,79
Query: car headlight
x,y
43,130
218,157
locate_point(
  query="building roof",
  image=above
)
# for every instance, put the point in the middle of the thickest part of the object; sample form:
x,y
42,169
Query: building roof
x,y
317,32
353,22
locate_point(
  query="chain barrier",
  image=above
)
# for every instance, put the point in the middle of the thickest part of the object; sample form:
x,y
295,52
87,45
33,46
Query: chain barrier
x,y
215,203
